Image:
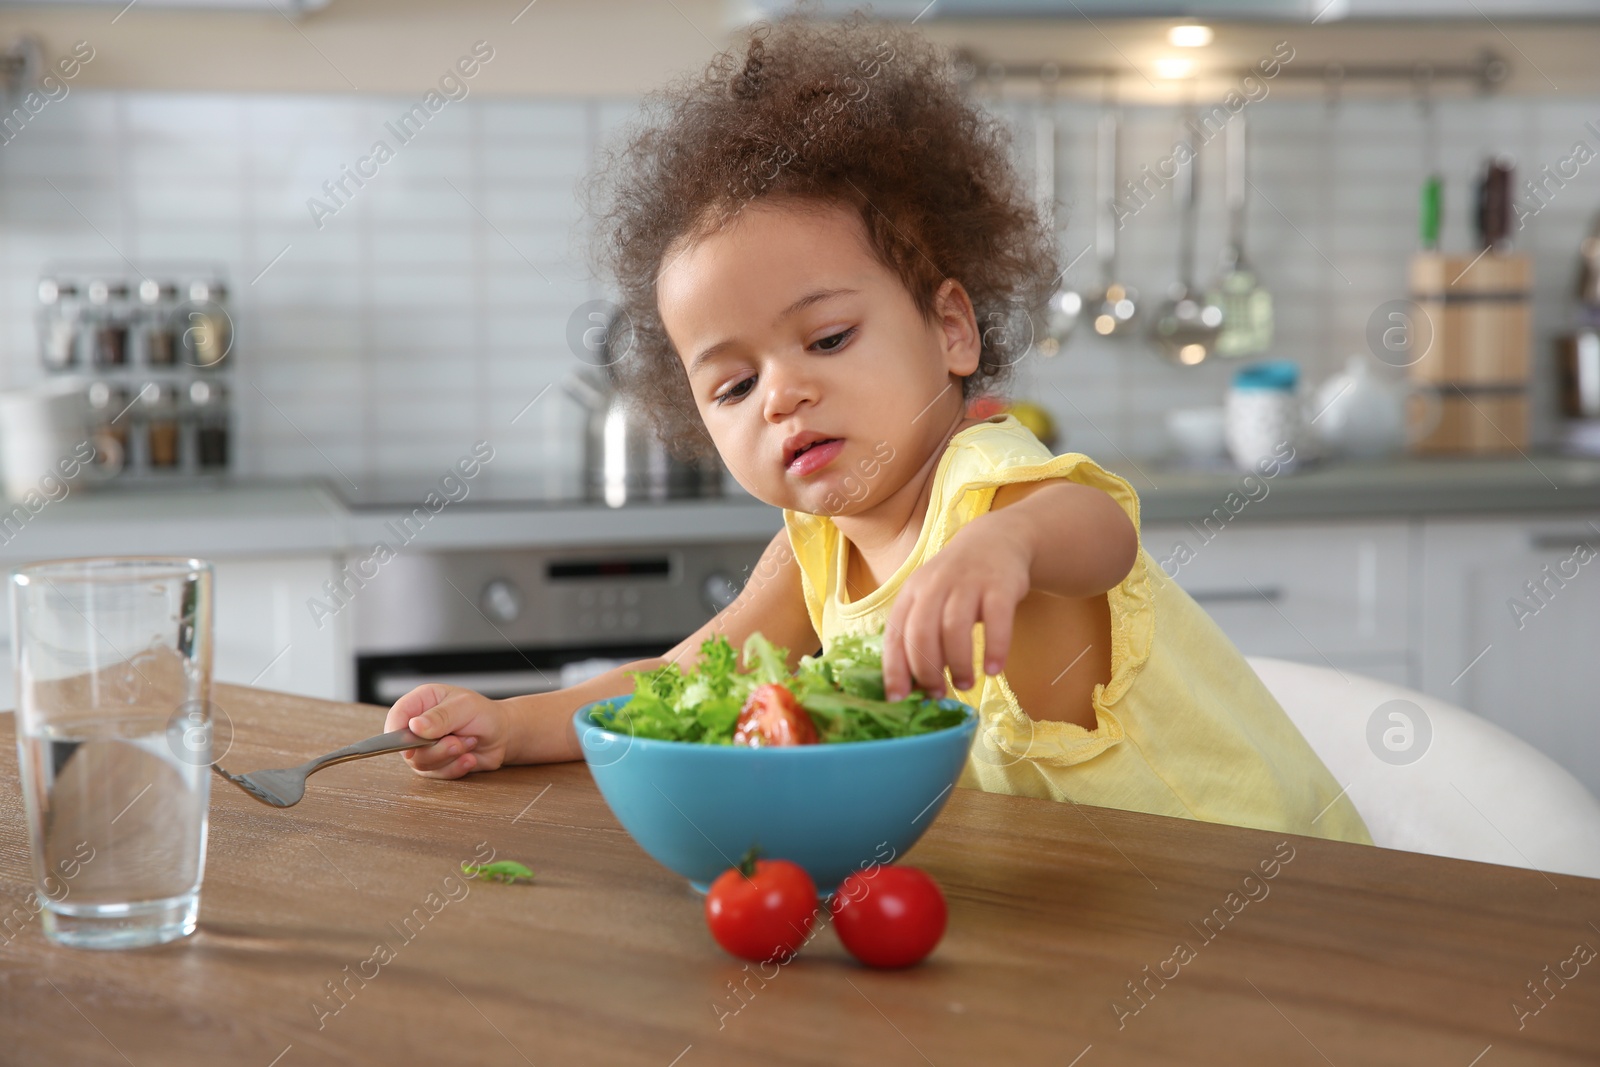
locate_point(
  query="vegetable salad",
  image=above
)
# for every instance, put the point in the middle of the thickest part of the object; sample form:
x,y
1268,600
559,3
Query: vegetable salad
x,y
841,691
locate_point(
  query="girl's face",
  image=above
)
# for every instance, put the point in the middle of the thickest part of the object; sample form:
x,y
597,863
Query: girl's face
x,y
822,385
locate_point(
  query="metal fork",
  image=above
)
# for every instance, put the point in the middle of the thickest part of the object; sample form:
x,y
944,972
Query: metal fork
x,y
284,788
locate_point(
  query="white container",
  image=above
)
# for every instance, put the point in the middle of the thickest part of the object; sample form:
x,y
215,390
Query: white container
x,y
45,441
1263,424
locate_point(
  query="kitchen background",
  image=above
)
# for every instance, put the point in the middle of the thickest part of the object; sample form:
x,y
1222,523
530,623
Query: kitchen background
x,y
430,310
443,302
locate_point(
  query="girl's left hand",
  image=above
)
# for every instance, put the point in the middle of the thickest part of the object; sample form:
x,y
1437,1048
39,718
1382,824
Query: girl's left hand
x,y
980,576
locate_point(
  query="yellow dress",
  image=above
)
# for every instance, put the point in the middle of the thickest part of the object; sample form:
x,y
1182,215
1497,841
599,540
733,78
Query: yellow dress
x,y
1184,727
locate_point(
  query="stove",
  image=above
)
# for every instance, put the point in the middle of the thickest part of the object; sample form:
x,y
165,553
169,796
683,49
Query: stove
x,y
521,620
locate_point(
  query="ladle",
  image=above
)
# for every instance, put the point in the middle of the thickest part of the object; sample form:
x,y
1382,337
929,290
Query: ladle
x,y
1185,327
1113,309
1065,305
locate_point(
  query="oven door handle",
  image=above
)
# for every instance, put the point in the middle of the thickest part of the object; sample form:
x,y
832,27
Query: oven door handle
x,y
391,687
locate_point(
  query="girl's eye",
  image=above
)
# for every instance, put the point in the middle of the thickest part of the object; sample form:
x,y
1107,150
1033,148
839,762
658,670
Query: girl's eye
x,y
742,387
736,390
832,342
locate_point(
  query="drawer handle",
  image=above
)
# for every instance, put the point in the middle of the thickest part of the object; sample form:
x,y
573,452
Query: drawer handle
x,y
1270,593
1566,542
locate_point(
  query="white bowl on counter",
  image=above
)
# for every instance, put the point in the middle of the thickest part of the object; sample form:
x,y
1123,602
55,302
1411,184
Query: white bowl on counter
x,y
1197,434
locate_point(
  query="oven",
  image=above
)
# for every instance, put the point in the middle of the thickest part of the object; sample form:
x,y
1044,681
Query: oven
x,y
516,621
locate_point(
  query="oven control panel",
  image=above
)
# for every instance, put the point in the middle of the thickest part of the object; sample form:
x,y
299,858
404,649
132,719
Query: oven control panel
x,y
527,598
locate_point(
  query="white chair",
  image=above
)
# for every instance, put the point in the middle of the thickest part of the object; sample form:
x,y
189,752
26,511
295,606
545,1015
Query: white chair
x,y
1475,791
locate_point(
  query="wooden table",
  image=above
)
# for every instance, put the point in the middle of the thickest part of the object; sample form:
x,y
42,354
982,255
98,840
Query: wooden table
x,y
1347,955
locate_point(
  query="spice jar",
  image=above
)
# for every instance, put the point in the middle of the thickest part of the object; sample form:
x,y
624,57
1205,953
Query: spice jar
x,y
209,404
158,405
108,405
158,303
208,331
108,313
60,323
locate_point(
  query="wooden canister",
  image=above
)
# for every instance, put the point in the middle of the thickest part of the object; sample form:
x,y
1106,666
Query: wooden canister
x,y
1478,313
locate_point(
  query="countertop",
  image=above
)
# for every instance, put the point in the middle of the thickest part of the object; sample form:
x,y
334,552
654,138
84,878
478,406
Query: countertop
x,y
1398,488
248,518
270,518
1059,914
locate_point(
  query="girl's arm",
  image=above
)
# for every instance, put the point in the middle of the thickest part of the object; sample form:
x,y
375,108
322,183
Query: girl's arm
x,y
1055,536
1080,542
479,734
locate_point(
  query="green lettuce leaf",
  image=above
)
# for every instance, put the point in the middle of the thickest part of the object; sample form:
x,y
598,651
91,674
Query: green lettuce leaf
x,y
841,690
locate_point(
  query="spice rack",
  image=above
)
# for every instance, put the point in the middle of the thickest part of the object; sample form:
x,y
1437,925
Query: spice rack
x,y
155,353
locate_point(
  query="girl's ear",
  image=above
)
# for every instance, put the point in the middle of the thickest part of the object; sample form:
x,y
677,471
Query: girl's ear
x,y
957,324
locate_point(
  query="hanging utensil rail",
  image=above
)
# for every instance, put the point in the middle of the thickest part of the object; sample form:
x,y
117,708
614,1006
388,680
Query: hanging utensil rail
x,y
1487,72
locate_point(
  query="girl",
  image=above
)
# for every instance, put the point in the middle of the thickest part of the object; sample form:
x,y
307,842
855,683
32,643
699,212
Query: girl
x,y
825,255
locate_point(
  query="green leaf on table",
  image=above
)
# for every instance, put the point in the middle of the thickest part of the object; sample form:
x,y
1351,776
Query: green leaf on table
x,y
508,871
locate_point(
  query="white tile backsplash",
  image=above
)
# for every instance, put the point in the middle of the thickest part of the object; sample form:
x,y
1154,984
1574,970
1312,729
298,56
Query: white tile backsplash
x,y
433,305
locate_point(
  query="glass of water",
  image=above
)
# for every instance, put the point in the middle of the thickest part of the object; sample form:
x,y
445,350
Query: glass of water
x,y
114,722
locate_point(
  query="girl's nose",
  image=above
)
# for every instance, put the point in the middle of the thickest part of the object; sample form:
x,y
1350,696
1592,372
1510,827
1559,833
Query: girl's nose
x,y
788,387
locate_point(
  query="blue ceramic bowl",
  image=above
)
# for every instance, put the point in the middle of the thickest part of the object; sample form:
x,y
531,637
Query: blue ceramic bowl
x,y
832,808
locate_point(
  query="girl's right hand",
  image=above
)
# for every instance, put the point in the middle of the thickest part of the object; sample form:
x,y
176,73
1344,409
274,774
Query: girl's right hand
x,y
473,731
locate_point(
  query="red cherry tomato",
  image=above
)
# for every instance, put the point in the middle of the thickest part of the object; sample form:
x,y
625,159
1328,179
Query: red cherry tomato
x,y
889,916
762,910
772,718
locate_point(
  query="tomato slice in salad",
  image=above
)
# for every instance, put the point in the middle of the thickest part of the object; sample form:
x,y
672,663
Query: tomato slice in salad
x,y
772,718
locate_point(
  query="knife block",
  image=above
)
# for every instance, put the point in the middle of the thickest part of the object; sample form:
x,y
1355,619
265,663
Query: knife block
x,y
1479,311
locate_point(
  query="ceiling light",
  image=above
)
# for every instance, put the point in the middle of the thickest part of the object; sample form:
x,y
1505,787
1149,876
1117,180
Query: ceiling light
x,y
1189,36
1174,67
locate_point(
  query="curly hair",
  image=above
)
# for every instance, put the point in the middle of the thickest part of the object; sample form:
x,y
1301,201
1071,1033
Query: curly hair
x,y
860,114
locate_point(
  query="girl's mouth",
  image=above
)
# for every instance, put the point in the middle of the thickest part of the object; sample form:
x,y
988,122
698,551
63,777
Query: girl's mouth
x,y
813,457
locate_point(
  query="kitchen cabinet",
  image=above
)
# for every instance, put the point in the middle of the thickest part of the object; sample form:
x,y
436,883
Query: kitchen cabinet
x,y
1513,614
267,636
1328,593
1498,616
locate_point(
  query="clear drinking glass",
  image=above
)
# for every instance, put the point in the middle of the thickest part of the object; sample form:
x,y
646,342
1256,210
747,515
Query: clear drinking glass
x,y
113,668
